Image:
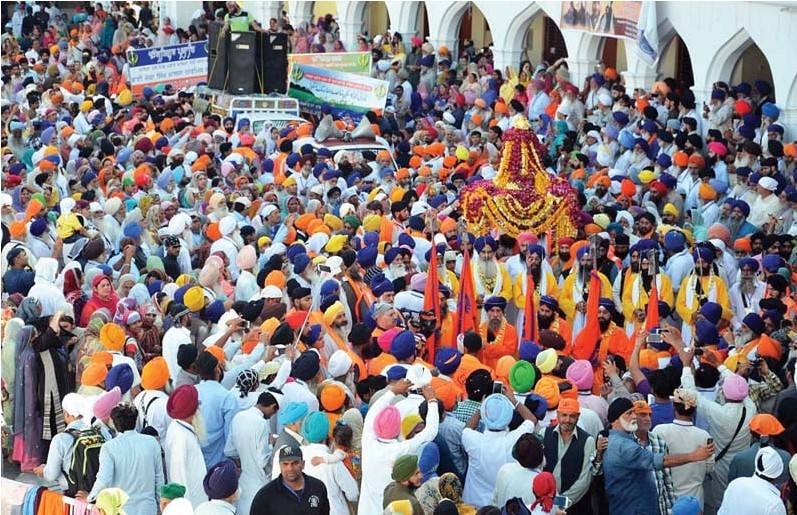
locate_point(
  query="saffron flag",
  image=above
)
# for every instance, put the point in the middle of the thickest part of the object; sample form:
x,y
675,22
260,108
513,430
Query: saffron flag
x,y
431,302
530,313
585,342
653,308
467,315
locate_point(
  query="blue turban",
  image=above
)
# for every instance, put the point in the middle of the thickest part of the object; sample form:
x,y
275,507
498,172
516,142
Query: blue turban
x,y
120,375
774,316
403,345
306,366
396,372
496,412
292,159
154,287
366,256
221,480
382,286
495,302
405,240
179,293
712,312
313,333
315,427
292,413
294,250
621,118
706,333
371,239
329,287
770,110
607,303
747,131
771,263
598,78
664,160
551,302
300,263
133,230
537,405
213,311
743,206
642,144
704,254
438,200
447,360
324,152
749,262
87,178
485,241
644,246
243,122
328,175
754,322
391,254
268,166
744,88
429,460
353,178
320,167
528,351
626,139
536,249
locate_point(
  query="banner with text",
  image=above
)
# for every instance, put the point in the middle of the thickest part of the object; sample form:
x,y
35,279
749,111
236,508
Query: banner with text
x,y
178,65
350,62
346,94
610,19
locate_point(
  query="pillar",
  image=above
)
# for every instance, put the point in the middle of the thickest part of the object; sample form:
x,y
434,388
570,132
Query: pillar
x,y
788,118
642,80
179,12
451,43
348,33
263,11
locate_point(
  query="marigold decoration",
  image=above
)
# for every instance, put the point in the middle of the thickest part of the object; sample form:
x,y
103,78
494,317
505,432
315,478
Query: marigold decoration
x,y
523,197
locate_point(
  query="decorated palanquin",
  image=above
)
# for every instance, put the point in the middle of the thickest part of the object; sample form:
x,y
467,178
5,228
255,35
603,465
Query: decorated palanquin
x,y
522,197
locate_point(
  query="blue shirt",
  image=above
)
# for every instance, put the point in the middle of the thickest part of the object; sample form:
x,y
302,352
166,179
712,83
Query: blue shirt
x,y
217,406
662,413
630,484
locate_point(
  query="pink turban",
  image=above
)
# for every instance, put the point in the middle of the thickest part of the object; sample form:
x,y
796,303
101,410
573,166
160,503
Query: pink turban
x,y
388,423
386,338
246,259
527,238
720,232
580,374
226,168
106,402
735,388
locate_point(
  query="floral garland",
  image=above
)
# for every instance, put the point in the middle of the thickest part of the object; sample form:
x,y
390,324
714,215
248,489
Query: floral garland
x,y
523,197
499,336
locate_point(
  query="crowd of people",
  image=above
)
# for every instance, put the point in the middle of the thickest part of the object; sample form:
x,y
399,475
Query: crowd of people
x,y
202,319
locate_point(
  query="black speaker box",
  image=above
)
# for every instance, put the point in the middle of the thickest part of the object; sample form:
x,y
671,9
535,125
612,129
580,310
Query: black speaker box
x,y
241,63
217,56
273,62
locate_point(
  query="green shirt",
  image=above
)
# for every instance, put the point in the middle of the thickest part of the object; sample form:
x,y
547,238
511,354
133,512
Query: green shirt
x,y
239,22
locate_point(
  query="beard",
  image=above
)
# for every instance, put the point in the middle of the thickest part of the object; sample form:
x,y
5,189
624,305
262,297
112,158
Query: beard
x,y
564,256
604,324
703,271
398,270
743,337
488,267
494,325
635,266
747,285
199,427
629,427
544,321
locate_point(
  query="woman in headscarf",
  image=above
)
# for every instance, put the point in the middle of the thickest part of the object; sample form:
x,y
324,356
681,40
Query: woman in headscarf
x,y
544,488
73,293
125,284
44,289
450,488
246,284
428,494
89,343
8,364
556,99
150,335
102,296
507,89
27,427
211,277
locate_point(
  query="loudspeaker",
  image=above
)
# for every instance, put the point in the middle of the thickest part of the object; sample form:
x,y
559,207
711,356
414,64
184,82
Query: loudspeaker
x,y
241,61
217,55
273,62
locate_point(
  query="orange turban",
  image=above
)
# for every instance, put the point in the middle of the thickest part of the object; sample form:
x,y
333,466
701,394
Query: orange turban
x,y
448,225
102,357
303,221
790,149
706,192
112,336
383,154
681,159
415,162
217,352
592,229
743,244
155,374
449,161
275,278
332,397
697,160
94,374
503,367
17,229
34,207
548,388
628,188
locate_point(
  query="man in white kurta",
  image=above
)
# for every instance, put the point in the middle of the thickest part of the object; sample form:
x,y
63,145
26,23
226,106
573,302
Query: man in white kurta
x,y
249,443
185,463
378,454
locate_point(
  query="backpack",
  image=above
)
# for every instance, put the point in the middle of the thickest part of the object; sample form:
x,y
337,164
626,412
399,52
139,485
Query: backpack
x,y
85,462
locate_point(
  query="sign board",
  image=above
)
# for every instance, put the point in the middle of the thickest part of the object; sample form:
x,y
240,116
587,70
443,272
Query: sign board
x,y
346,94
178,65
350,62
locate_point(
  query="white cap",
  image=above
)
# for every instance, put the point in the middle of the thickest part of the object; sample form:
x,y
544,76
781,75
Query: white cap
x,y
227,225
73,404
95,207
271,292
594,134
449,118
339,363
768,183
768,463
243,200
268,209
335,264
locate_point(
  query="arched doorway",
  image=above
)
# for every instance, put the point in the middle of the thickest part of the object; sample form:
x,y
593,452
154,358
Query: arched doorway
x,y
421,20
473,26
612,53
543,41
676,62
751,66
376,19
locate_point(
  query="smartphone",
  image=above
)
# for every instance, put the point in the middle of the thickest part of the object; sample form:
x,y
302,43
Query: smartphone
x,y
324,268
245,325
560,501
654,337
498,387
709,441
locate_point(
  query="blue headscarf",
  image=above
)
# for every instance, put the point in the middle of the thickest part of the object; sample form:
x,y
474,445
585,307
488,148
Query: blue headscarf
x,y
428,461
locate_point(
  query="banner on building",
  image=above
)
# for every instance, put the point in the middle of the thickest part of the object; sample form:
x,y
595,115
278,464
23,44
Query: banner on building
x,y
178,65
346,94
610,19
349,62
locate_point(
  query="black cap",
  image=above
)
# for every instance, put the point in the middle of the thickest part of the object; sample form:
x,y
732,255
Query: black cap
x,y
618,407
290,453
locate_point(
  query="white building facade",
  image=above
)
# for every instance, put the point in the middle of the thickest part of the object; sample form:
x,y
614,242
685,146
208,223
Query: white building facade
x,y
717,36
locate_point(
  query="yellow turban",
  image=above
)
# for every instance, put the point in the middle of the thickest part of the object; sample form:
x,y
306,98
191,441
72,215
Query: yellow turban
x,y
112,336
111,501
333,222
155,374
290,181
332,312
125,97
269,326
397,194
194,298
94,374
182,280
706,192
646,176
335,243
372,223
670,209
86,106
409,423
